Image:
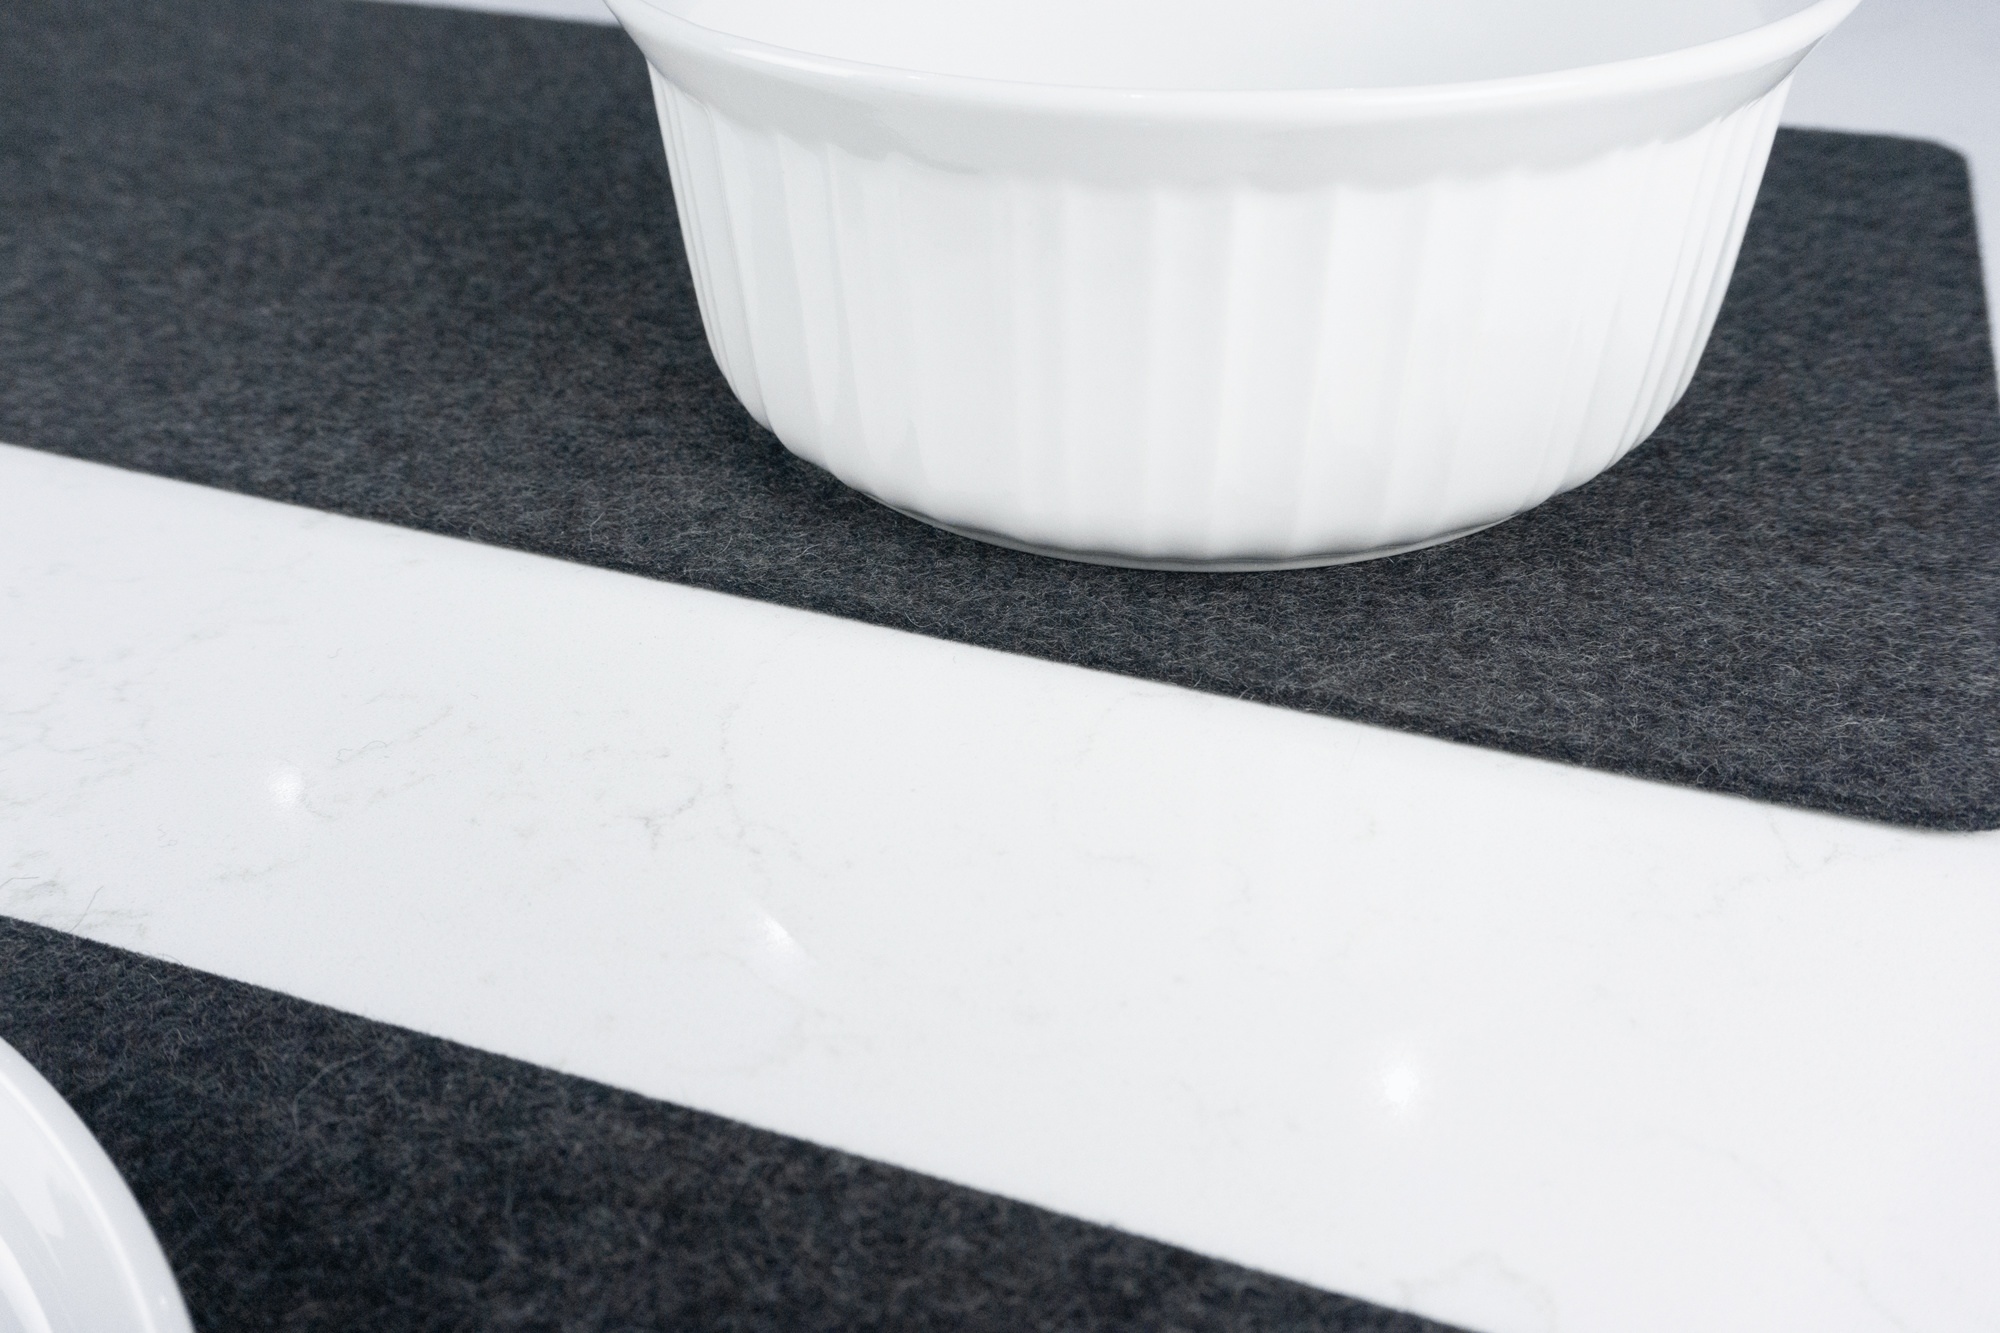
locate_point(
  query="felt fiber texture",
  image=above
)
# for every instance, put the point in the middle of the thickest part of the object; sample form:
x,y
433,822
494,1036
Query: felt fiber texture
x,y
307,1169
421,266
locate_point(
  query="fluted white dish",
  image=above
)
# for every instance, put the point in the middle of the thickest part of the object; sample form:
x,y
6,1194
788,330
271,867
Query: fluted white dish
x,y
76,1255
1187,284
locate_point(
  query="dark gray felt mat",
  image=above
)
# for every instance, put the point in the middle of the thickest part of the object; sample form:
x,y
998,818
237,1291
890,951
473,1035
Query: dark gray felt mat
x,y
308,1170
421,266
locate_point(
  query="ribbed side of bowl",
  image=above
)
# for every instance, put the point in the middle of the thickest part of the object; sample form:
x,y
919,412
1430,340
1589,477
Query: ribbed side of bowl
x,y
1208,374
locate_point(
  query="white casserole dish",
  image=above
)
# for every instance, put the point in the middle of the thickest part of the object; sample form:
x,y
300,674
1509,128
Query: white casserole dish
x,y
76,1254
1207,285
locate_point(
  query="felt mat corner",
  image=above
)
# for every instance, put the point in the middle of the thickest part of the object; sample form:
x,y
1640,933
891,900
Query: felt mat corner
x,y
421,266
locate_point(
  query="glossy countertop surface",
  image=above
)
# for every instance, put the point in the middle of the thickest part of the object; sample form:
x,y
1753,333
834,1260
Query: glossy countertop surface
x,y
1515,1045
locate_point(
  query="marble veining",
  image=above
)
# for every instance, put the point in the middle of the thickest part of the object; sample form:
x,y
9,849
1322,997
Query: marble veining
x,y
1512,1044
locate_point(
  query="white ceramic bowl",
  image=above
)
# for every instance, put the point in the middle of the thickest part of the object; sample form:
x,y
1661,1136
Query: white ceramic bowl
x,y
76,1255
1215,284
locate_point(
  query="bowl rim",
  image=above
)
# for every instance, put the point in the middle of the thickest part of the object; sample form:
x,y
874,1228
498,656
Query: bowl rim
x,y
1740,53
148,1299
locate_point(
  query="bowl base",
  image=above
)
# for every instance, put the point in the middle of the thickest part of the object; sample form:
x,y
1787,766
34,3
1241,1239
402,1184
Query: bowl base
x,y
1220,565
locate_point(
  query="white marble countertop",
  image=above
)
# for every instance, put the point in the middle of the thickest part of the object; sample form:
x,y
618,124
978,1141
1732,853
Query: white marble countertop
x,y
1516,1045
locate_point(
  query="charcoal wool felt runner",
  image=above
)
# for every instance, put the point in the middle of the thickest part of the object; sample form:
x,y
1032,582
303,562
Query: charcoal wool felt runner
x,y
305,1170
422,267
